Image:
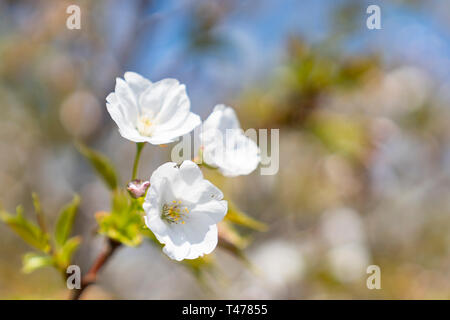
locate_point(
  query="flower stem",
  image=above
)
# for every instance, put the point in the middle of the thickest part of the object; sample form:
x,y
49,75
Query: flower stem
x,y
139,147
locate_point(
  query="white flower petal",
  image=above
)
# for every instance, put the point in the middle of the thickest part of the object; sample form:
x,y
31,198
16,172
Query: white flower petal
x,y
117,116
127,101
168,171
111,98
225,146
137,83
186,227
204,191
160,139
170,135
177,251
157,113
216,210
222,118
175,109
207,244
190,172
158,227
241,156
126,130
154,97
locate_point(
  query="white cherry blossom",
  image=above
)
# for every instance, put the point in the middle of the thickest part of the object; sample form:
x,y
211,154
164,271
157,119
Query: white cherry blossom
x,y
156,113
224,145
183,209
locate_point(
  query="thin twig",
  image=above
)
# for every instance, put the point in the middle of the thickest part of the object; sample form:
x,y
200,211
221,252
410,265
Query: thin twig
x,y
91,276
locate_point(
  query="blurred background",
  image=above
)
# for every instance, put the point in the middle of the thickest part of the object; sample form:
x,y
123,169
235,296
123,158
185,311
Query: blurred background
x,y
363,115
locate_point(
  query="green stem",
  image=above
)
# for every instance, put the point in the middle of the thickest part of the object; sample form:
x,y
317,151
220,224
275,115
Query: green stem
x,y
139,147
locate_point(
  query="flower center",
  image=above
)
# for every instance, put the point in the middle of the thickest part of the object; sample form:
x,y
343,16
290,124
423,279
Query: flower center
x,y
175,212
145,124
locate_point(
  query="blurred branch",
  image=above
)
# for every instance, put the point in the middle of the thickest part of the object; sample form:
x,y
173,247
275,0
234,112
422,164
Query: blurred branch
x,y
91,276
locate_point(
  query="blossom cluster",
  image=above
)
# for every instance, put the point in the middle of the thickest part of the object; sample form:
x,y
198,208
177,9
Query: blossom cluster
x,y
182,208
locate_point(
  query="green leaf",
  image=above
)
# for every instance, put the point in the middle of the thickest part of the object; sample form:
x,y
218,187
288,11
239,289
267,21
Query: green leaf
x,y
64,255
125,222
229,234
127,233
32,261
101,164
147,233
231,241
65,221
39,213
238,217
200,266
200,263
27,230
36,203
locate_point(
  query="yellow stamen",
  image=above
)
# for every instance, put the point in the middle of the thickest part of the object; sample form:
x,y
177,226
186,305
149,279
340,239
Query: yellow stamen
x,y
175,212
145,125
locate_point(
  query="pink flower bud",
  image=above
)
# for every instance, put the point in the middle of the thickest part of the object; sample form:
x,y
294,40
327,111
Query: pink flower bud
x,y
137,188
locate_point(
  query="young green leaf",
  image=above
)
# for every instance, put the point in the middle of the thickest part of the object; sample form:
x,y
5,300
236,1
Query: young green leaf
x,y
66,220
39,212
32,261
124,222
229,234
238,217
125,231
64,255
101,164
27,230
231,241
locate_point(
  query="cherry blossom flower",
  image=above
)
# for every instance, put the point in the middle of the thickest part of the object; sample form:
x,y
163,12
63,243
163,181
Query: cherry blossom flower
x,y
225,146
156,113
183,209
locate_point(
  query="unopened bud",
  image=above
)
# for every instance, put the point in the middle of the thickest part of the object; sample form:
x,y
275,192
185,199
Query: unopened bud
x,y
137,188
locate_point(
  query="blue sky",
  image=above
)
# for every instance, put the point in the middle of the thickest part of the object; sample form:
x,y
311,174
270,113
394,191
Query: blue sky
x,y
257,31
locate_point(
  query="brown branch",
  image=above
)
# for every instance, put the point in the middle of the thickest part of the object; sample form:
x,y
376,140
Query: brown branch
x,y
91,276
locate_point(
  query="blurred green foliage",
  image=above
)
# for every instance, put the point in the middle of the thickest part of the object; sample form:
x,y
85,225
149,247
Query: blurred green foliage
x,y
56,250
101,164
124,222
